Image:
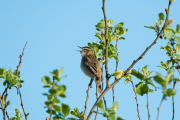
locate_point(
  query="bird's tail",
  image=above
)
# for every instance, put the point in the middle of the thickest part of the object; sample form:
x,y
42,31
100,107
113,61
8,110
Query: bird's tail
x,y
98,84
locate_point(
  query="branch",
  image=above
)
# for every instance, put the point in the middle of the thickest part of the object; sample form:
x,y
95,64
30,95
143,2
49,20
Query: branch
x,y
149,116
102,79
97,107
2,108
160,107
131,66
116,65
20,61
136,99
85,107
106,49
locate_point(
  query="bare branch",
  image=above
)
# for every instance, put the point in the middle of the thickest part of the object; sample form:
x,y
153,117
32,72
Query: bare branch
x,y
149,116
160,107
20,61
106,48
2,108
85,107
97,107
136,99
116,65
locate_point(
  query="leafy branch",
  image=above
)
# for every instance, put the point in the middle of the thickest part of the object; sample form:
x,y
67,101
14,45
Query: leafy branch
x,y
134,62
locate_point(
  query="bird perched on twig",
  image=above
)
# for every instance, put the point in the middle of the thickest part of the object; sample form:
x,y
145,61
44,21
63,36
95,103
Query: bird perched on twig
x,y
90,66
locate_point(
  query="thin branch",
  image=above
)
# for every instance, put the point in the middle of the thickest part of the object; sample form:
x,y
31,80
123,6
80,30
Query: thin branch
x,y
85,107
131,66
20,61
106,48
7,114
149,116
116,65
5,105
2,108
102,78
52,103
5,91
174,82
136,99
97,107
160,107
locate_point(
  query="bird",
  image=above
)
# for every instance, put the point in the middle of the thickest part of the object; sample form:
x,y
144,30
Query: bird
x,y
90,66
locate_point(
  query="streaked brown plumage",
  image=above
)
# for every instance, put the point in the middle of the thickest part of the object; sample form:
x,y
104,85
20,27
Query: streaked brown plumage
x,y
90,66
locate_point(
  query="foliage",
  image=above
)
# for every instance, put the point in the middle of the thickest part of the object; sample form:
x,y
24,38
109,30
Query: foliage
x,y
77,114
18,115
142,87
166,81
55,90
109,113
113,33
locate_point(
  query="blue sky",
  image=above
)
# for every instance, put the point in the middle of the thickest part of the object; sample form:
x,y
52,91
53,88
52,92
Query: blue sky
x,y
55,28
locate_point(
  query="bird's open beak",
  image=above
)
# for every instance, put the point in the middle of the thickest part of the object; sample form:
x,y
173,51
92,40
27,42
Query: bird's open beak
x,y
79,50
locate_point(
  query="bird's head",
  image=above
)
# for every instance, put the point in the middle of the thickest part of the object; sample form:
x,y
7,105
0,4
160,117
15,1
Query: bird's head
x,y
85,51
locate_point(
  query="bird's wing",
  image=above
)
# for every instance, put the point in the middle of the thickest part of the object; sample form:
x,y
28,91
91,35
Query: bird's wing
x,y
90,62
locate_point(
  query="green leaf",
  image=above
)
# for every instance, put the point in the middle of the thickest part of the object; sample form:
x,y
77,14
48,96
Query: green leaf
x,y
150,90
46,81
71,119
112,117
60,71
100,104
56,108
126,81
153,85
76,113
161,18
178,28
65,109
90,45
173,31
100,25
115,106
118,118
119,25
53,91
168,34
122,38
170,92
8,102
178,40
151,27
159,79
142,89
116,58
178,56
137,74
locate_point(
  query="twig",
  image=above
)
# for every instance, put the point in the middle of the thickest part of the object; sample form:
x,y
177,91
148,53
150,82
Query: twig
x,y
2,108
20,61
51,112
97,107
102,85
160,107
52,102
5,91
136,99
85,107
149,116
131,66
5,105
174,83
106,49
116,65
